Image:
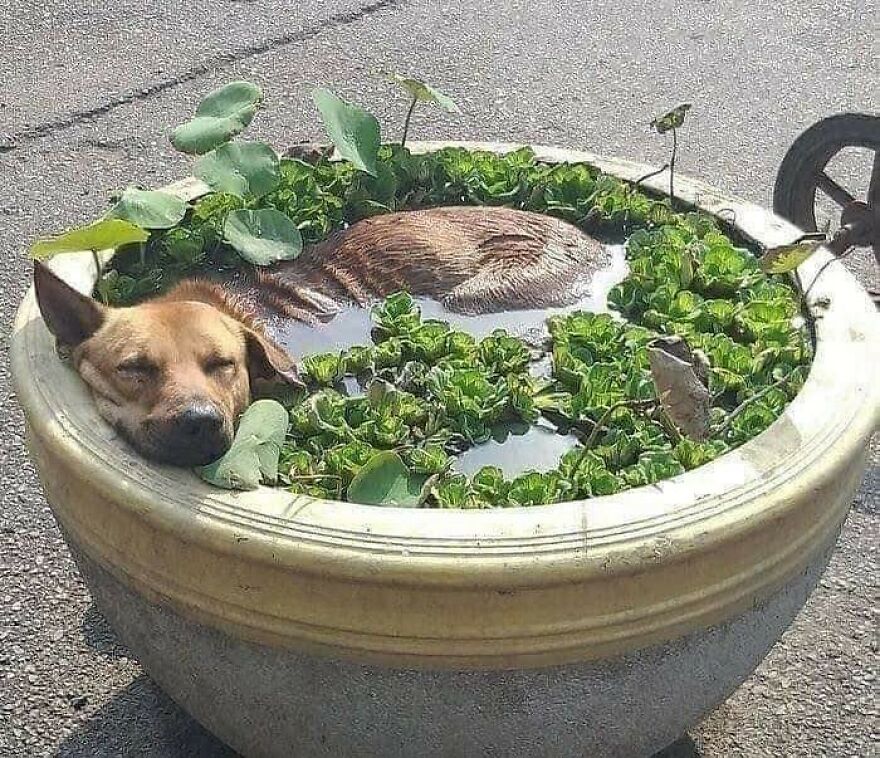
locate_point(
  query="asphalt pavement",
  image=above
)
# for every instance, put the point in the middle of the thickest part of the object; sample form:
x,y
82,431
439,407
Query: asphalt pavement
x,y
88,93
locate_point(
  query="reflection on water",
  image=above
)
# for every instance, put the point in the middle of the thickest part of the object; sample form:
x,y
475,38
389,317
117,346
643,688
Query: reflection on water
x,y
351,324
516,448
350,386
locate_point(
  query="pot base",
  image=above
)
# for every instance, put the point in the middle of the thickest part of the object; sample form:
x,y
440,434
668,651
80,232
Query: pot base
x,y
272,703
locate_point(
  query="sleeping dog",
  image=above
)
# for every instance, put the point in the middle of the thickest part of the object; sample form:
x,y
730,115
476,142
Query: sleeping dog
x,y
173,374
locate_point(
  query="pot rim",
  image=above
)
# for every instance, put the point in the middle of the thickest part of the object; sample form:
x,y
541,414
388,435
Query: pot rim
x,y
736,500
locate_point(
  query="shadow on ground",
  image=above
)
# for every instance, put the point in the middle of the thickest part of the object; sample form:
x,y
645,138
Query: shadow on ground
x,y
141,721
100,637
683,748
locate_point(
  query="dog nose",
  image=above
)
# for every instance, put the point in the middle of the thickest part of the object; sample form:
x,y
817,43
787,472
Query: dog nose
x,y
198,421
198,434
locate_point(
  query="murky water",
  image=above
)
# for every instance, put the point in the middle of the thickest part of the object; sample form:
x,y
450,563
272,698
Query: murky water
x,y
351,324
517,448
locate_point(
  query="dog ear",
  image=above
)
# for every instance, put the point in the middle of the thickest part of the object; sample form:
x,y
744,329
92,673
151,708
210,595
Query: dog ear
x,y
268,361
71,317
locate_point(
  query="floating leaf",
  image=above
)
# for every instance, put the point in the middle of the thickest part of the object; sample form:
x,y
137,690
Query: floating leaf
x,y
785,258
385,480
253,455
353,131
323,368
149,209
671,120
246,169
424,92
681,380
103,235
219,117
263,236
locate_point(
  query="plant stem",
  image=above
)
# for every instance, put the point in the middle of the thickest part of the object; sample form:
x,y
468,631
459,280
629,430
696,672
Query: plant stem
x,y
412,107
672,165
648,176
820,272
803,305
717,432
669,426
603,419
97,262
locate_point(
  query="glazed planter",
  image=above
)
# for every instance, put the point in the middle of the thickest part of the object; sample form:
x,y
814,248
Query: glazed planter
x,y
605,627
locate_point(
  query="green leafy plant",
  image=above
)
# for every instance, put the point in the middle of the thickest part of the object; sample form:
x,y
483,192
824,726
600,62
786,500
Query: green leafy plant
x,y
384,480
262,236
107,234
220,116
253,457
324,369
245,169
354,131
785,258
420,92
148,209
385,423
671,121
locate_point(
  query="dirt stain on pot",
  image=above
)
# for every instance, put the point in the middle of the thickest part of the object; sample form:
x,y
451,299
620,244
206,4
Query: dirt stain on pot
x,y
775,445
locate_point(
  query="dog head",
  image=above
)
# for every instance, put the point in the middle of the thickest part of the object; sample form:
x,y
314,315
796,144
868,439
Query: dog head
x,y
172,375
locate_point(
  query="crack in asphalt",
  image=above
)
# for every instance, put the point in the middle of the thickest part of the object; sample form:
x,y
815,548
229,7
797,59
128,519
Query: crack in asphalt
x,y
73,118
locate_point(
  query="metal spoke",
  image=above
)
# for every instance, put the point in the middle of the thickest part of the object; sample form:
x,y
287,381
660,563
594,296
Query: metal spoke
x,y
831,188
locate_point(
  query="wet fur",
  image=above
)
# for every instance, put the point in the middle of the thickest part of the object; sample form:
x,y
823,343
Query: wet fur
x,y
472,259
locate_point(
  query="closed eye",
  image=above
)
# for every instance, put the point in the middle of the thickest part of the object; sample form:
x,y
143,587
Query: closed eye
x,y
137,366
218,363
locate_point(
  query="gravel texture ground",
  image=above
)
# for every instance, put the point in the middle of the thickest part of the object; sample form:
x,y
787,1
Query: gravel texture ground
x,y
87,94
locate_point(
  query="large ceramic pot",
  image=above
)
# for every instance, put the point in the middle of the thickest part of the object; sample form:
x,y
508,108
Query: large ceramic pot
x,y
295,627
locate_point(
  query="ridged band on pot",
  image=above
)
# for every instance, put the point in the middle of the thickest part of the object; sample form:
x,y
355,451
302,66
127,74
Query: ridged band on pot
x,y
473,589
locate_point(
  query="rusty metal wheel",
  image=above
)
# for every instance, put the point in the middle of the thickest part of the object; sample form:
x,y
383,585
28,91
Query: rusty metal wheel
x,y
803,174
804,177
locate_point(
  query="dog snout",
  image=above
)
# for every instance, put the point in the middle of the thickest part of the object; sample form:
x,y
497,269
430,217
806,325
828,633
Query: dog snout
x,y
197,435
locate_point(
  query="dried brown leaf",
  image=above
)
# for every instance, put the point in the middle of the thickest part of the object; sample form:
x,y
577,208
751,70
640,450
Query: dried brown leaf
x,y
681,378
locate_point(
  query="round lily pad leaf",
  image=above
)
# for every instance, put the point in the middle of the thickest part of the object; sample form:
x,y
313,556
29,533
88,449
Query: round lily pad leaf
x,y
149,209
424,92
219,117
253,456
385,480
103,235
246,169
353,131
263,236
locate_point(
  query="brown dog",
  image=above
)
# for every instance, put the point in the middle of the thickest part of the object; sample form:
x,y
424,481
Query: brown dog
x,y
174,373
171,374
